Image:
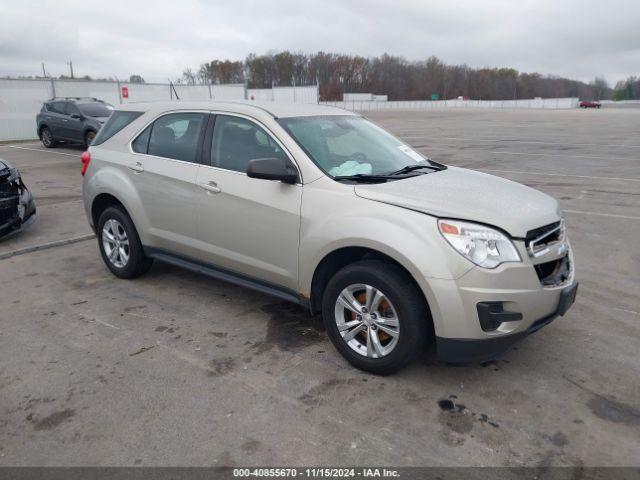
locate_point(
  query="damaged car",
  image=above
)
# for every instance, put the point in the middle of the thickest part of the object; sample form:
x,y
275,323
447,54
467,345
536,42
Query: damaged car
x,y
17,208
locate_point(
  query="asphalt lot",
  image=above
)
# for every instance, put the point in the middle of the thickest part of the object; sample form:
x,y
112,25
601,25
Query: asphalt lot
x,y
175,368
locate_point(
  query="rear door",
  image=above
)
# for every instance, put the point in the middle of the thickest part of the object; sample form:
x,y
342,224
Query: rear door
x,y
164,166
247,225
57,118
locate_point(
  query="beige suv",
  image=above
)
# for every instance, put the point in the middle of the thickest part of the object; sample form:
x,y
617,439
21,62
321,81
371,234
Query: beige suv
x,y
319,206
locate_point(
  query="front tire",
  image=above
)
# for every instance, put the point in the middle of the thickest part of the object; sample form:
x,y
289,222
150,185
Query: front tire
x,y
375,316
47,138
88,138
120,244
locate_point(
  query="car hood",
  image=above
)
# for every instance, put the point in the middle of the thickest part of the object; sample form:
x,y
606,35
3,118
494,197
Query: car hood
x,y
469,195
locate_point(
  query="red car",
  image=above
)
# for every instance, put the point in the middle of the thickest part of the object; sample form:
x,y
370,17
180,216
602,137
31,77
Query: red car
x,y
589,104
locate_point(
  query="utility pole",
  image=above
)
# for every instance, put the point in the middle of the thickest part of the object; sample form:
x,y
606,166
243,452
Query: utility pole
x,y
70,63
44,73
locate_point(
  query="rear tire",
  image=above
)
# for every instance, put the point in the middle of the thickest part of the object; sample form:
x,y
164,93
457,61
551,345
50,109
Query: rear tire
x,y
392,332
120,244
47,138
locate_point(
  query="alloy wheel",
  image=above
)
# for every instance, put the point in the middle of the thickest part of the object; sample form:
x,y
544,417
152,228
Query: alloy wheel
x,y
47,138
367,320
115,243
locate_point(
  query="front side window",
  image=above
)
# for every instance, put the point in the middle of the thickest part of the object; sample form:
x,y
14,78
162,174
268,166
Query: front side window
x,y
116,122
351,145
236,141
176,136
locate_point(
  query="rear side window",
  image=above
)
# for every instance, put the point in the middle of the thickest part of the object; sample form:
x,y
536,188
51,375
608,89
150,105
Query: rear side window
x,y
175,136
57,107
116,122
70,109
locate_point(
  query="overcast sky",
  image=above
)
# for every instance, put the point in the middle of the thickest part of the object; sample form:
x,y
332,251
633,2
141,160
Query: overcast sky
x,y
158,39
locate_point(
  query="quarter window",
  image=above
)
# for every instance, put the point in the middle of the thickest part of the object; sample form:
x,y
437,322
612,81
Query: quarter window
x,y
141,143
236,141
175,136
116,122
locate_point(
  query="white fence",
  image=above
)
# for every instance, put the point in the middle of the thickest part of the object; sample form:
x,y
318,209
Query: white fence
x,y
284,94
21,100
550,103
620,103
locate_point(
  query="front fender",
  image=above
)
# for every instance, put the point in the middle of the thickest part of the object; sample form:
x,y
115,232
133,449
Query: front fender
x,y
336,218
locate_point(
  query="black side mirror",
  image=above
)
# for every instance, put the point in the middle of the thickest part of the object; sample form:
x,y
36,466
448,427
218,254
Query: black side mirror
x,y
272,169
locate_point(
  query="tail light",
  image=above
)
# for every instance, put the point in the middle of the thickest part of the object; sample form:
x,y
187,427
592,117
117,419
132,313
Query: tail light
x,y
85,158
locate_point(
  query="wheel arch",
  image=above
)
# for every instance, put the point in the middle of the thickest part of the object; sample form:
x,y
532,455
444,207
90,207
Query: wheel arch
x,y
42,126
101,202
339,258
89,129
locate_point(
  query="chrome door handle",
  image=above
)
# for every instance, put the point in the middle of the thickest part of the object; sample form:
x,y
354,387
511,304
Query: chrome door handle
x,y
137,167
211,187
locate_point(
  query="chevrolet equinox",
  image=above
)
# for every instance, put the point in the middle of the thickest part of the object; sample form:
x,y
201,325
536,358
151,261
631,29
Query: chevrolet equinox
x,y
319,206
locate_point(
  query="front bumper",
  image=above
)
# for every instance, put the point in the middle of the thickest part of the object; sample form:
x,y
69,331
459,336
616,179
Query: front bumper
x,y
462,350
482,313
17,218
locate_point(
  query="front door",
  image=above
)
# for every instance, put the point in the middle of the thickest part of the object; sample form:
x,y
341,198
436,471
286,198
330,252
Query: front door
x,y
247,225
57,118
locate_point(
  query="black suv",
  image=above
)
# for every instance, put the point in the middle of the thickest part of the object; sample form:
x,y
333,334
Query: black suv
x,y
71,120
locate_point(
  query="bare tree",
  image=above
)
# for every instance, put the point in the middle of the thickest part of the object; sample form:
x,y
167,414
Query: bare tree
x,y
189,77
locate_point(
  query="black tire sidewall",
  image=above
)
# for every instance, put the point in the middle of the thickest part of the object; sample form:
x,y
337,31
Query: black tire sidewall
x,y
138,262
53,143
87,142
404,296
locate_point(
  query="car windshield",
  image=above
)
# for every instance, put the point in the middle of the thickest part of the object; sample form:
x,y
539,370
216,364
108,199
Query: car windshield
x,y
95,109
344,146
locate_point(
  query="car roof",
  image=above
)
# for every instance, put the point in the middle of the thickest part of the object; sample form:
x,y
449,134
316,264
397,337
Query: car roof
x,y
275,110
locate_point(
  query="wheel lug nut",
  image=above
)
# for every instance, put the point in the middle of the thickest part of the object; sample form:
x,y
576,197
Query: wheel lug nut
x,y
358,317
364,310
374,328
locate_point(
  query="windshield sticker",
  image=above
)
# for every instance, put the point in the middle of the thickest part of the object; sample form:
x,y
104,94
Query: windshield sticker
x,y
410,152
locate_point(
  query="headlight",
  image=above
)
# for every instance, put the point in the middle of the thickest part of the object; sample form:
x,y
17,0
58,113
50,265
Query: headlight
x,y
484,246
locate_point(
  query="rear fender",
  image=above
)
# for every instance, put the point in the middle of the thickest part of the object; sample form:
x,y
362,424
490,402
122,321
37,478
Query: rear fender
x,y
111,179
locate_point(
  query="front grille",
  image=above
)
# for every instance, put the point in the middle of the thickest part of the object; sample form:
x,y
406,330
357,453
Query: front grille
x,y
555,272
539,239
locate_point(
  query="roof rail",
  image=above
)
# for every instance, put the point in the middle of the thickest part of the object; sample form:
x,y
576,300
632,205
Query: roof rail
x,y
76,98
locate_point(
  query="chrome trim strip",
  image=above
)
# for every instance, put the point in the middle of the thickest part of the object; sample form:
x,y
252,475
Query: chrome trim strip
x,y
532,244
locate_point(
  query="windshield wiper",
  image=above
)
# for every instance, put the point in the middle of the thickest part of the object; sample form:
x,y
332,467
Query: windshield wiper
x,y
383,177
411,168
362,177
